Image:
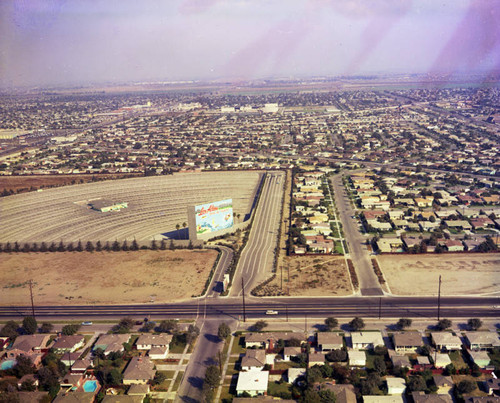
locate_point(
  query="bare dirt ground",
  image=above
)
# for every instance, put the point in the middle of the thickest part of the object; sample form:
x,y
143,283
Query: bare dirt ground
x,y
312,276
24,183
103,277
460,274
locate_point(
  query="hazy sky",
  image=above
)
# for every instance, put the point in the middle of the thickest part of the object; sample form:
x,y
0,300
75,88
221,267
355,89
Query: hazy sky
x,y
45,42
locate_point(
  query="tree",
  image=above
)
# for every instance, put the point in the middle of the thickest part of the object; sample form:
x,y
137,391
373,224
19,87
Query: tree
x,y
331,323
116,246
444,324
124,326
135,245
114,377
163,245
294,342
98,246
28,385
10,330
49,379
43,247
466,386
212,376
326,371
192,333
160,377
70,247
224,331
184,225
52,247
46,327
379,365
168,326
61,247
24,366
69,330
327,396
474,323
357,324
404,323
417,383
30,325
313,375
79,247
154,246
337,355
89,247
177,227
125,247
259,325
147,327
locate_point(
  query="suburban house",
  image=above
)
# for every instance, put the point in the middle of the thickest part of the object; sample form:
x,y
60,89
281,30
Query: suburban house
x,y
395,386
407,341
480,358
366,340
492,385
138,371
68,343
446,341
421,397
69,358
383,399
443,383
157,345
357,358
400,361
328,341
289,352
31,343
253,360
252,382
441,360
80,366
259,340
344,393
294,373
316,358
111,343
482,340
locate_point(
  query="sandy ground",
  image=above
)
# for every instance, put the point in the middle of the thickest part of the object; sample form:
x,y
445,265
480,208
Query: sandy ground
x,y
312,276
460,274
41,181
103,277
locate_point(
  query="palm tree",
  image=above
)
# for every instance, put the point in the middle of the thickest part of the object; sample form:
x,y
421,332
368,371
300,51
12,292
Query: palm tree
x,y
184,225
177,226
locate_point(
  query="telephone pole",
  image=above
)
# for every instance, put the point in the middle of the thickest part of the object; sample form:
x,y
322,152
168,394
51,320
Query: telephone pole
x,y
439,298
243,294
32,303
380,308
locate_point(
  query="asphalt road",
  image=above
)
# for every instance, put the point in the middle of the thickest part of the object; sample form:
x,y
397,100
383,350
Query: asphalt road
x,y
360,256
232,308
257,257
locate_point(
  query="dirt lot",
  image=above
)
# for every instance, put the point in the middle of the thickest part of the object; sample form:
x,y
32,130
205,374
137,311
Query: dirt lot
x,y
103,277
312,276
460,274
25,183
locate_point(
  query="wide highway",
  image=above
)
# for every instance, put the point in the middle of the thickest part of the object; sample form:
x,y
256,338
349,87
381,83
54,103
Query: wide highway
x,y
231,307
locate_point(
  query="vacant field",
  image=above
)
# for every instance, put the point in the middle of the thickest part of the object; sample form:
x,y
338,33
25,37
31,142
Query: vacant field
x,y
460,274
34,182
312,276
103,277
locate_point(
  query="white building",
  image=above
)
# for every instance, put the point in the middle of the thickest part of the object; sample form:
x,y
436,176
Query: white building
x,y
252,382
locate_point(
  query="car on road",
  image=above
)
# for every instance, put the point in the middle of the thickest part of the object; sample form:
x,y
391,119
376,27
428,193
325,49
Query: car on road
x,y
271,312
87,323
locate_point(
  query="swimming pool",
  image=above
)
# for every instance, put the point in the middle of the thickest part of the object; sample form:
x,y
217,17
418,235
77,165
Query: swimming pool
x,y
7,364
90,386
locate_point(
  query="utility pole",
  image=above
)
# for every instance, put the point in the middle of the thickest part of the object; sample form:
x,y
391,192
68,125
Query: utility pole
x,y
286,312
281,277
305,324
243,294
379,308
439,297
32,303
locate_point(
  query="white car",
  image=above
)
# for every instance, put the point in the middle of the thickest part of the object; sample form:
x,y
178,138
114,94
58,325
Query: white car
x,y
271,312
86,323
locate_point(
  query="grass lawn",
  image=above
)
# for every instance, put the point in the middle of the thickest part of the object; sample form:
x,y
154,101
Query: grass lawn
x,y
285,365
225,349
276,389
338,248
225,395
169,374
233,368
495,357
177,381
177,348
457,359
238,346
